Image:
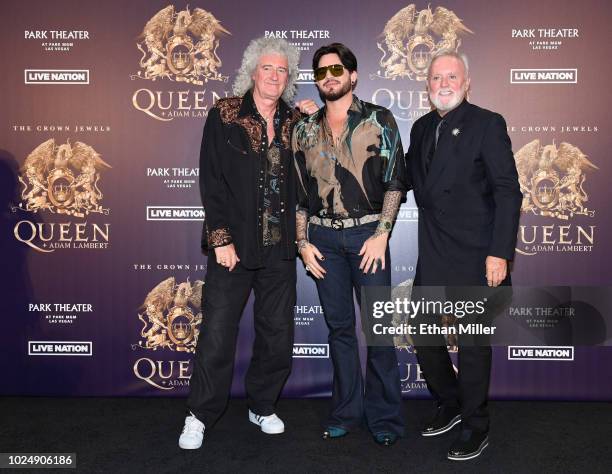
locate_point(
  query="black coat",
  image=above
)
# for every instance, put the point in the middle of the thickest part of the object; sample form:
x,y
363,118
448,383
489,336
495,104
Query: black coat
x,y
233,161
469,202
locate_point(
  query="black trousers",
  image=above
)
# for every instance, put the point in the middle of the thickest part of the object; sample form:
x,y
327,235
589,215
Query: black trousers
x,y
225,295
468,390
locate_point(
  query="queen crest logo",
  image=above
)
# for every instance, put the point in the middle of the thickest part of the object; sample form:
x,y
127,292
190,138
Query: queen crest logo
x,y
412,37
181,46
62,179
552,180
172,316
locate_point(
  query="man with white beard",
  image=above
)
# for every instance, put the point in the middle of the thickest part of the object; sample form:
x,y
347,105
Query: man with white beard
x,y
466,187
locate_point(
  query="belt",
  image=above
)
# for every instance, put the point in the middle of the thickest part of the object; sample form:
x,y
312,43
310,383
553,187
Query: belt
x,y
339,224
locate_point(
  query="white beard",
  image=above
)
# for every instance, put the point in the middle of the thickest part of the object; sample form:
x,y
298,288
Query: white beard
x,y
457,98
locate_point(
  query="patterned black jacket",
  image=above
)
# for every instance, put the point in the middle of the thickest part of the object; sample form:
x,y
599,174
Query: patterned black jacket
x,y
233,160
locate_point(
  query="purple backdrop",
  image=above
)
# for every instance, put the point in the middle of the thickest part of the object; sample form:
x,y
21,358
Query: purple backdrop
x,y
101,219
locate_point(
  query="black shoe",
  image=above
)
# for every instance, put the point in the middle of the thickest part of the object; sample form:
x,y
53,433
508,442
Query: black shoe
x,y
468,445
385,438
446,418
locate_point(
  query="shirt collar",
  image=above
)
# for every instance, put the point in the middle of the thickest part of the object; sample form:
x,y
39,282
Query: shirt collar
x,y
356,105
356,108
248,107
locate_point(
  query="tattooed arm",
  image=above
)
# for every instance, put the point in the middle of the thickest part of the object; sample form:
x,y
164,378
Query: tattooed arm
x,y
301,228
389,212
374,249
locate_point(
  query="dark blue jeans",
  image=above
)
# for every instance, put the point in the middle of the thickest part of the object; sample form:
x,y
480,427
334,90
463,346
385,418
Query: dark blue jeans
x,y
379,402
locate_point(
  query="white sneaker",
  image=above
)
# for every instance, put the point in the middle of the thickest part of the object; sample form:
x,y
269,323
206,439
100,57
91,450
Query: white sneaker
x,y
193,433
271,424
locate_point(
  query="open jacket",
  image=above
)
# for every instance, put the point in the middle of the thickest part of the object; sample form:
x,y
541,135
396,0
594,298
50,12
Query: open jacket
x,y
233,161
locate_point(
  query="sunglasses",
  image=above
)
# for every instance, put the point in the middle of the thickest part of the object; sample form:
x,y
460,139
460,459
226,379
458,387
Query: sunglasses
x,y
336,70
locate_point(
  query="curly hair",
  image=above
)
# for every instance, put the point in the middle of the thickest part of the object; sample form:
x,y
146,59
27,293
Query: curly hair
x,y
255,50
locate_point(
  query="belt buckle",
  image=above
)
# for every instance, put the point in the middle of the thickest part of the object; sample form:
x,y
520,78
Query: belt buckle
x,y
337,224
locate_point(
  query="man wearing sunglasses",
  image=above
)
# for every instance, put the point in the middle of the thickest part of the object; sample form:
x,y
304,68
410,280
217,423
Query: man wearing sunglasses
x,y
351,169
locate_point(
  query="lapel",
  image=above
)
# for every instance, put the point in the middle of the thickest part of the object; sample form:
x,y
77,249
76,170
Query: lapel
x,y
447,143
246,119
288,118
253,127
426,144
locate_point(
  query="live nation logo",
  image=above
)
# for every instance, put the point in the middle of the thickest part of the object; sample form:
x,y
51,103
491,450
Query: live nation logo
x,y
171,318
175,213
180,47
60,348
544,76
62,180
305,76
410,38
311,351
56,76
552,179
561,353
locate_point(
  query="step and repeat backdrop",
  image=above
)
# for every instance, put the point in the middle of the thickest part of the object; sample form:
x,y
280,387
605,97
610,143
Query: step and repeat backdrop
x,y
103,105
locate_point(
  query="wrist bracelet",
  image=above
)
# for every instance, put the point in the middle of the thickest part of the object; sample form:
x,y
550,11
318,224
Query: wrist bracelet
x,y
384,227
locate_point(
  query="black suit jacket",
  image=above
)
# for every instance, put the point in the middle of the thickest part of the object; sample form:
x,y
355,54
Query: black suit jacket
x,y
469,201
233,161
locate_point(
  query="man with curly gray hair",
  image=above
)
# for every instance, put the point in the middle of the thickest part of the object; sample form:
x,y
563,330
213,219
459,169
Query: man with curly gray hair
x,y
247,186
264,46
